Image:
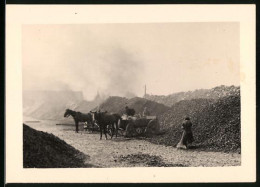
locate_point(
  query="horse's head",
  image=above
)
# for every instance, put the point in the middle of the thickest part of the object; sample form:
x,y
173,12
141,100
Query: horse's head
x,y
67,113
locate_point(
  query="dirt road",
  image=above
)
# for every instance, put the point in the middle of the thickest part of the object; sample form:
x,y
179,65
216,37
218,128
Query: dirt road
x,y
122,152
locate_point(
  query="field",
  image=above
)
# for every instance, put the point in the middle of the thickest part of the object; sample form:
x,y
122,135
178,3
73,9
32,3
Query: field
x,y
134,152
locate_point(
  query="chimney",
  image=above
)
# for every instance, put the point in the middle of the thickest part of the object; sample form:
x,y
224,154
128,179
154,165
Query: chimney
x,y
144,90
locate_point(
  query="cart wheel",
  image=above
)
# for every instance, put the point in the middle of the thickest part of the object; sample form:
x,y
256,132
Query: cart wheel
x,y
139,130
152,127
120,132
130,130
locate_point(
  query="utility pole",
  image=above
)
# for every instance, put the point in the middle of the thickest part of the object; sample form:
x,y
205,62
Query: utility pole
x,y
145,90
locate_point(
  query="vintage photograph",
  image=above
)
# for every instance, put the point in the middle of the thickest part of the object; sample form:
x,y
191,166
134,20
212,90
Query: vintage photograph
x,y
113,95
130,94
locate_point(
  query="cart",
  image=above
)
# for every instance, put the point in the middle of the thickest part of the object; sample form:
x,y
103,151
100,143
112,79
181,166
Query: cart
x,y
138,126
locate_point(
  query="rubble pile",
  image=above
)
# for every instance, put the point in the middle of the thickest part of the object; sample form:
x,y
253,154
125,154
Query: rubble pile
x,y
43,150
216,124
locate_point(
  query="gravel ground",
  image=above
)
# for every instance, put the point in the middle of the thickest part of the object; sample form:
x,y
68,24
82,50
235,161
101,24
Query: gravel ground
x,y
123,152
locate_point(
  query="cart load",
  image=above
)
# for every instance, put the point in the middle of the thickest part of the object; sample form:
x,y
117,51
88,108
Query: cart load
x,y
136,126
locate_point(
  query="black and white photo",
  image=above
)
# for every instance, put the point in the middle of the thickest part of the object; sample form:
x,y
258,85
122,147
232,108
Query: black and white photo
x,y
126,94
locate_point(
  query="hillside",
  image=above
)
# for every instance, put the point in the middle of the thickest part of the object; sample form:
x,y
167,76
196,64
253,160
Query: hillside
x,y
116,104
214,93
86,106
51,105
43,150
216,124
48,104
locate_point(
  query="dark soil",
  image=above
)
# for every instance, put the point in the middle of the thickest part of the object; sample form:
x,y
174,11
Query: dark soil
x,y
147,160
44,150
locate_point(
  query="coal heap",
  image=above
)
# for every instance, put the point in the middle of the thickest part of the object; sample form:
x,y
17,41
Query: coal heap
x,y
214,93
115,104
180,110
43,150
147,160
216,123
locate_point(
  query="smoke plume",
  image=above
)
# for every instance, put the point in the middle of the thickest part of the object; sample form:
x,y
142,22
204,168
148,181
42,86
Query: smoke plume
x,y
123,73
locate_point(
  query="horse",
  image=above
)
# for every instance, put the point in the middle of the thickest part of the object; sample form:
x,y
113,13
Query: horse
x,y
117,122
104,121
79,117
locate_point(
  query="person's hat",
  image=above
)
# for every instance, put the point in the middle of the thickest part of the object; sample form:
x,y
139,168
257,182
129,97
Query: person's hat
x,y
187,118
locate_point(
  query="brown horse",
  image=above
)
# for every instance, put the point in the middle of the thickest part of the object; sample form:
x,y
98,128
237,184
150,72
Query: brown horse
x,y
107,122
79,117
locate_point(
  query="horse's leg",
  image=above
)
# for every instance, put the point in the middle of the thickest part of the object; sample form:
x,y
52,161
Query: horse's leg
x,y
100,128
92,126
105,131
113,130
117,127
110,128
86,126
85,123
77,126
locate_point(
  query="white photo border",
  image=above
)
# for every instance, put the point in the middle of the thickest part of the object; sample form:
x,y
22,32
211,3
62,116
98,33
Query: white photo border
x,y
18,15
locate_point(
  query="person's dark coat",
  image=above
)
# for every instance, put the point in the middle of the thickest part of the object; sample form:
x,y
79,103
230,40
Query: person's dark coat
x,y
187,133
187,136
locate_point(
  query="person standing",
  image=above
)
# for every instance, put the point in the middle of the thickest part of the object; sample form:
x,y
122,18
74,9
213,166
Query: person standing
x,y
187,135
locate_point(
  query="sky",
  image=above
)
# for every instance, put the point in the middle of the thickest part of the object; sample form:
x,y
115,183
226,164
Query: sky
x,y
119,59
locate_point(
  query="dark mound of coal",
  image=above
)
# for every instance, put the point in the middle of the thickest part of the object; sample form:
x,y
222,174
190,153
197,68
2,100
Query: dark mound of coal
x,y
214,93
180,110
154,108
216,124
116,104
43,150
113,104
147,160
